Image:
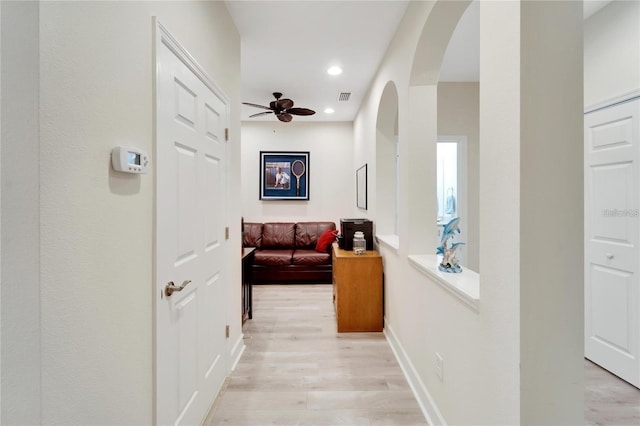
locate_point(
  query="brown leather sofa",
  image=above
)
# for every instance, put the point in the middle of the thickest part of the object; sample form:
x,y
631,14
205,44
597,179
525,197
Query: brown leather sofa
x,y
286,252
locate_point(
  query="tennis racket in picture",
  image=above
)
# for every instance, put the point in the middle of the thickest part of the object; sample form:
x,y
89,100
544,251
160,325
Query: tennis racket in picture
x,y
298,169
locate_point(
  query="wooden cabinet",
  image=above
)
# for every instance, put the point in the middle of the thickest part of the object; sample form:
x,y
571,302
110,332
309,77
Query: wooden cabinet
x,y
357,290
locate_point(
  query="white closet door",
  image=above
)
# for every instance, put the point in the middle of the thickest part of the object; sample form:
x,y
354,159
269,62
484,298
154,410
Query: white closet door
x,y
612,294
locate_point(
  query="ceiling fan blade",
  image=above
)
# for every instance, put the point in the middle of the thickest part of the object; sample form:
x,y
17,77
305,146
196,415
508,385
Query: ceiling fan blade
x,y
284,103
256,105
261,113
284,117
300,111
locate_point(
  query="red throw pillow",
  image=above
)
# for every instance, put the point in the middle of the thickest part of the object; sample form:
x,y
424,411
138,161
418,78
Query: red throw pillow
x,y
325,240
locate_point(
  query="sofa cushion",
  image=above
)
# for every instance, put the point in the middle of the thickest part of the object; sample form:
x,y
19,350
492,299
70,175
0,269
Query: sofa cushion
x,y
278,235
310,257
273,257
252,236
307,233
325,240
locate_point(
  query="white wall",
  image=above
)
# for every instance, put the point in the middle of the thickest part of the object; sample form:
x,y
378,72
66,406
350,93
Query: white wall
x,y
331,170
612,51
459,114
384,189
0,216
482,350
551,220
96,225
20,262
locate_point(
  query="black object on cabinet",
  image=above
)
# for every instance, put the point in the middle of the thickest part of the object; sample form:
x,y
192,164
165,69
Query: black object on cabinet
x,y
349,226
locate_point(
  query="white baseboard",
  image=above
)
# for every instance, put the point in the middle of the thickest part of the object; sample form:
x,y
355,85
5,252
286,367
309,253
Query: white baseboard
x,y
426,402
237,351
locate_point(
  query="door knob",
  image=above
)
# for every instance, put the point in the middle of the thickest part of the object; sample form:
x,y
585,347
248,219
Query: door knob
x,y
609,256
171,287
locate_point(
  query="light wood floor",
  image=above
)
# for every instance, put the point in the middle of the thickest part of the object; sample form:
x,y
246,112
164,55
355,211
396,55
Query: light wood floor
x,y
609,400
297,370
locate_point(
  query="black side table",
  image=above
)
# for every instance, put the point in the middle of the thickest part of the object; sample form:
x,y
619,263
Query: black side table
x,y
247,293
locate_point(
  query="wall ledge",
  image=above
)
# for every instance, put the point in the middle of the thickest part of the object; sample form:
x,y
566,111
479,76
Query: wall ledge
x,y
391,241
465,285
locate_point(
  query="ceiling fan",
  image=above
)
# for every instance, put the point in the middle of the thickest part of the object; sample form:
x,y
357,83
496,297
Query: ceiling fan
x,y
282,108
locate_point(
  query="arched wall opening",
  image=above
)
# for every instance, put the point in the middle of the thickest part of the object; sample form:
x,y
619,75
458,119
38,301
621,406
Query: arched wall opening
x,y
523,114
453,323
423,106
387,162
458,147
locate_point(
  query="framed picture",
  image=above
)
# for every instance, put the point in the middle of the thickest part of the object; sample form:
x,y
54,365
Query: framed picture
x,y
284,175
361,187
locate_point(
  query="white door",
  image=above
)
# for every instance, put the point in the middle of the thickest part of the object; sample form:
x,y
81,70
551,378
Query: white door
x,y
190,238
612,294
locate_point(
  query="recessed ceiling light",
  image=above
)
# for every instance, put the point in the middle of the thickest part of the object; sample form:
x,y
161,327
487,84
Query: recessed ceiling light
x,y
329,111
335,70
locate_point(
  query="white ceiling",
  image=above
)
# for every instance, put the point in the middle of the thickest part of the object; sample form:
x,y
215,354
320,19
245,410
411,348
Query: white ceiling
x,y
287,46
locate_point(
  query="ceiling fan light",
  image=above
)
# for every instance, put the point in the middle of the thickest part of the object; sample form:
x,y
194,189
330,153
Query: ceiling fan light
x,y
282,108
329,111
334,70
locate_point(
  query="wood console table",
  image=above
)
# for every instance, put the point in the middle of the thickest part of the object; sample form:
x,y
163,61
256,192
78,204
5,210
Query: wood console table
x,y
247,291
357,290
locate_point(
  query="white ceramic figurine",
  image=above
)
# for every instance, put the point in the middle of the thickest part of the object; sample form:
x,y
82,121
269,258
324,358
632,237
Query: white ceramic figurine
x,y
449,261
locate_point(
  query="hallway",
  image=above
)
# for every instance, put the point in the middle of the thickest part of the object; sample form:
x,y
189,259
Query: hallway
x,y
297,370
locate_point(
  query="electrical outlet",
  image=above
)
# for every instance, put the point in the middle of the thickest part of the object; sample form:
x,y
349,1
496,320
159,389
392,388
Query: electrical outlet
x,y
439,366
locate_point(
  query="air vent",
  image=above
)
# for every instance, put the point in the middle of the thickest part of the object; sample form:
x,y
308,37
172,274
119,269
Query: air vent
x,y
344,96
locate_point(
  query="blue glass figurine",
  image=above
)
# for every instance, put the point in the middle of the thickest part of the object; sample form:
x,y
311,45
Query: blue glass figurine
x,y
447,250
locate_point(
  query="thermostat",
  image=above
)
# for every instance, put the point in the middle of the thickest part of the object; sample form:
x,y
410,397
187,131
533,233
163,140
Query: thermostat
x,y
129,160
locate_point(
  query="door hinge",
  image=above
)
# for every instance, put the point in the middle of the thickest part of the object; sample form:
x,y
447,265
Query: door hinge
x,y
226,134
226,233
226,331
